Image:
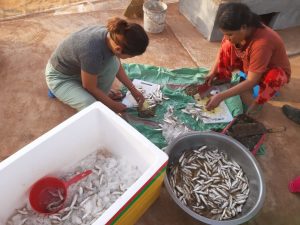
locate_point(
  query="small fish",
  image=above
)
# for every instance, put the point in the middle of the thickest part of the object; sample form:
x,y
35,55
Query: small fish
x,y
210,180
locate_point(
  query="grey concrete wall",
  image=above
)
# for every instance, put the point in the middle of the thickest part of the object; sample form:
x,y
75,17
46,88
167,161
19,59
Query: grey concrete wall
x,y
202,14
288,11
268,6
289,18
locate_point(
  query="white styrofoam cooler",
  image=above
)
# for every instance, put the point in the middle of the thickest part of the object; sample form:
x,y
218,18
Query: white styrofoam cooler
x,y
93,128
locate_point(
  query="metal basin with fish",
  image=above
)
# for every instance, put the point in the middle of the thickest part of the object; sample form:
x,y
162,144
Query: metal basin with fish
x,y
235,151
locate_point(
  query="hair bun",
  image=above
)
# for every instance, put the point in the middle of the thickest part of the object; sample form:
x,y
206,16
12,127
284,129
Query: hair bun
x,y
130,36
117,25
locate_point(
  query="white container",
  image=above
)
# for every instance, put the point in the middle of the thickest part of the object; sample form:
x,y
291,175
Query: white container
x,y
90,129
154,16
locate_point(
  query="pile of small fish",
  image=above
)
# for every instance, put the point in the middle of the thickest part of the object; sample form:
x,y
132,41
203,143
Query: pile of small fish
x,y
147,109
172,126
56,201
198,112
154,98
88,199
195,110
209,183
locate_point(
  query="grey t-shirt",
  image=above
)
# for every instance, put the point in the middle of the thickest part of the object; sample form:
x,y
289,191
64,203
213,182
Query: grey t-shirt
x,y
84,50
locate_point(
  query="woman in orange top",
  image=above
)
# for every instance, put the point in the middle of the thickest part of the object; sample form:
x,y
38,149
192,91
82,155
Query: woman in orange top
x,y
253,48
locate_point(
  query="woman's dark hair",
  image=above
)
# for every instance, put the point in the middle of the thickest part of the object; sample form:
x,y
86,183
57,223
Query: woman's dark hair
x,y
232,16
134,40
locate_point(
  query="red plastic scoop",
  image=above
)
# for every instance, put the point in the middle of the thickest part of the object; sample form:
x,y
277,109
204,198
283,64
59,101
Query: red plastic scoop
x,y
49,194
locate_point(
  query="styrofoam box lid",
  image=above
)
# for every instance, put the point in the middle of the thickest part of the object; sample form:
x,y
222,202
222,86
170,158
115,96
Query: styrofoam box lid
x,y
93,128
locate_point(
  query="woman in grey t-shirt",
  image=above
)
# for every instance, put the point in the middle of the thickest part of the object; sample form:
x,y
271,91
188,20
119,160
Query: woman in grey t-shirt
x,y
83,67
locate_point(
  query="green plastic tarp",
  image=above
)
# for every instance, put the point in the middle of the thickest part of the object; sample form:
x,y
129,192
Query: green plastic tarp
x,y
172,86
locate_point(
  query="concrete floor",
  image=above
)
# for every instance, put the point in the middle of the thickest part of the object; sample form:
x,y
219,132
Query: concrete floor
x,y
26,112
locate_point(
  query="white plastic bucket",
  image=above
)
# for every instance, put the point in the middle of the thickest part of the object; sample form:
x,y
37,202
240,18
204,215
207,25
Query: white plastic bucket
x,y
154,16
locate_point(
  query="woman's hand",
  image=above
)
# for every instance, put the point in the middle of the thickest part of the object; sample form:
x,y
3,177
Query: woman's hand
x,y
252,79
138,96
118,107
214,101
125,80
210,77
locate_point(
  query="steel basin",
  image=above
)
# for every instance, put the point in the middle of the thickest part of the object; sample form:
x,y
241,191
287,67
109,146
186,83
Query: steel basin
x,y
234,150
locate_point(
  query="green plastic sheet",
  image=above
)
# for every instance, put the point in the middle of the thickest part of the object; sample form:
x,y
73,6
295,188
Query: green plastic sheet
x,y
172,85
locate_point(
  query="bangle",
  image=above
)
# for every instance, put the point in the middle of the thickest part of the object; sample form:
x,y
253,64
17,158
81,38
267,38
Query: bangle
x,y
131,86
